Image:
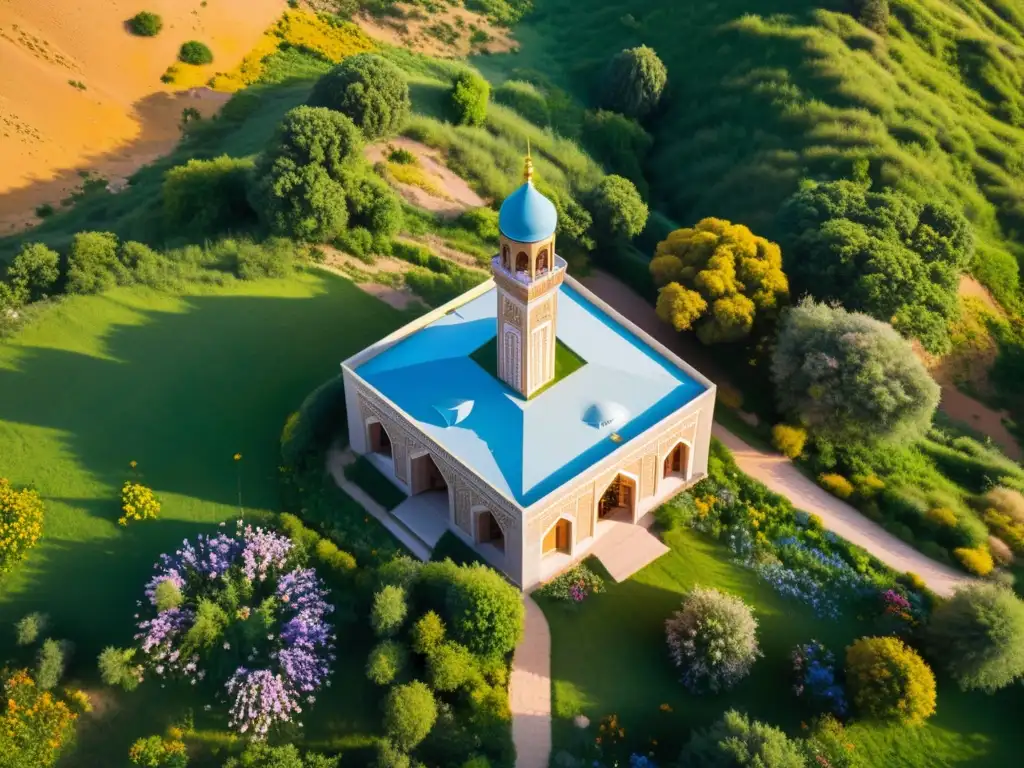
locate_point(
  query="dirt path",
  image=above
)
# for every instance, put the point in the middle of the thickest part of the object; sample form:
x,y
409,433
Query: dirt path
x,y
776,471
455,195
451,32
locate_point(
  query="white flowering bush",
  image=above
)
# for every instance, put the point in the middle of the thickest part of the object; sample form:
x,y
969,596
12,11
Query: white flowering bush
x,y
713,640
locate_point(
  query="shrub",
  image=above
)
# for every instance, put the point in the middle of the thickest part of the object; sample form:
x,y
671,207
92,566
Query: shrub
x,y
620,143
337,560
878,252
138,503
1007,502
889,681
145,24
427,633
720,274
484,611
34,272
525,99
736,741
158,752
390,756
204,195
677,512
370,90
978,636
835,484
50,664
815,678
830,747
387,662
194,52
117,668
30,627
409,714
1001,552
21,523
389,611
789,440
574,585
873,14
167,595
712,639
259,754
976,560
93,265
469,96
34,725
617,209
942,517
273,258
849,378
449,667
634,82
301,201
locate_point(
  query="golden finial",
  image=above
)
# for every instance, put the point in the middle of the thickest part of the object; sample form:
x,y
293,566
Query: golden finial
x,y
528,170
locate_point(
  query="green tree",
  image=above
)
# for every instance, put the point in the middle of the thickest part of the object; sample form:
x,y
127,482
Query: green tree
x,y
370,90
301,201
93,265
449,667
158,752
29,628
206,194
117,667
50,664
735,741
978,636
484,611
620,143
617,209
389,611
387,662
718,277
34,272
873,14
409,713
427,633
878,252
469,96
634,82
848,377
889,681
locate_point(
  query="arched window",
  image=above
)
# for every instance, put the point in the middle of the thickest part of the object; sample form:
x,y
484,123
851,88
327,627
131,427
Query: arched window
x,y
522,262
505,257
542,261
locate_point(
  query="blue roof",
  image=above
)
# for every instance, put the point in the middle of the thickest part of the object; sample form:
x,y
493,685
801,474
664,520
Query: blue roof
x,y
527,216
528,448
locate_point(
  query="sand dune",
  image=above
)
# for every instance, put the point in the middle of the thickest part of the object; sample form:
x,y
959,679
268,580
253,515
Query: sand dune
x,y
125,117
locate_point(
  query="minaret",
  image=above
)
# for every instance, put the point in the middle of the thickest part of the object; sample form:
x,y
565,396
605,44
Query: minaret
x,y
527,274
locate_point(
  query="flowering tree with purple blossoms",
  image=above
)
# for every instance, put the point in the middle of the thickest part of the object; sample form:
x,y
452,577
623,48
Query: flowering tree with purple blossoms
x,y
250,622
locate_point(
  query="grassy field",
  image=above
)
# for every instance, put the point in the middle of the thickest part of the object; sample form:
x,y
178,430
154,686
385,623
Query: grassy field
x,y
179,384
609,656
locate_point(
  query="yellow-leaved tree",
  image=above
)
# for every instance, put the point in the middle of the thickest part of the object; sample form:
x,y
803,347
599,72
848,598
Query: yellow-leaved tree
x,y
715,277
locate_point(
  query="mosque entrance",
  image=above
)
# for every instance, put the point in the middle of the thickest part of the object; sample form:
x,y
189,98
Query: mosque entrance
x,y
426,476
380,441
620,495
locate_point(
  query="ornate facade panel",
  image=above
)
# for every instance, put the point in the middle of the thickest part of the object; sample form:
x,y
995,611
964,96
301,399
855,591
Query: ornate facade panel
x,y
463,503
632,468
399,452
513,312
648,475
584,514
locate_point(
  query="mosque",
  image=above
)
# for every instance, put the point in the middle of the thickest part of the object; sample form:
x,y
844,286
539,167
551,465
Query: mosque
x,y
526,415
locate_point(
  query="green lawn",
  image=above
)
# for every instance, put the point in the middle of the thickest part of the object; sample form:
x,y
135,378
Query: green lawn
x,y
610,657
178,384
566,361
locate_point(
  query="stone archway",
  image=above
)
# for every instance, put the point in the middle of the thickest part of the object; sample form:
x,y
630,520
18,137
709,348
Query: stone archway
x,y
558,538
677,461
425,475
620,495
379,439
489,530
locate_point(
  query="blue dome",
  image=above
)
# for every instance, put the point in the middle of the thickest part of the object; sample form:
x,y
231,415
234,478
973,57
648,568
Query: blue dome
x,y
527,216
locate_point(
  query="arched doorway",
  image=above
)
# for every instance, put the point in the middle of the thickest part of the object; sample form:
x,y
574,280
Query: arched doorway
x,y
676,461
488,530
620,495
558,538
522,262
380,440
426,476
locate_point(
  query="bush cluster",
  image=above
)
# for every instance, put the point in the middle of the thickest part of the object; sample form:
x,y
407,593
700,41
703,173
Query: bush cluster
x,y
207,195
736,740
888,680
21,523
469,96
35,725
138,503
146,24
634,81
789,440
370,90
195,52
158,752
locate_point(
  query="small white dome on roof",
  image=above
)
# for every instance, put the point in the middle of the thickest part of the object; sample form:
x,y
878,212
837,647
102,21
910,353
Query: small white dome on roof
x,y
604,414
454,411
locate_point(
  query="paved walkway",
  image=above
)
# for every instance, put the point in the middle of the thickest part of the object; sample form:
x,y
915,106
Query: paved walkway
x,y
625,548
529,691
776,471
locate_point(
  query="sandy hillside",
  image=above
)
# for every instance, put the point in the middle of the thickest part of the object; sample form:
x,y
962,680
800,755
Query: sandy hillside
x,y
125,117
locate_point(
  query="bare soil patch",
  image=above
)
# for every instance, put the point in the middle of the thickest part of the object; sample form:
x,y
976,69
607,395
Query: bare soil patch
x,y
123,117
438,247
382,279
452,33
455,195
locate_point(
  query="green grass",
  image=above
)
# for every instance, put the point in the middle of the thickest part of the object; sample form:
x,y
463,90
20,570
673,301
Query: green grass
x,y
380,489
609,656
566,361
178,383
